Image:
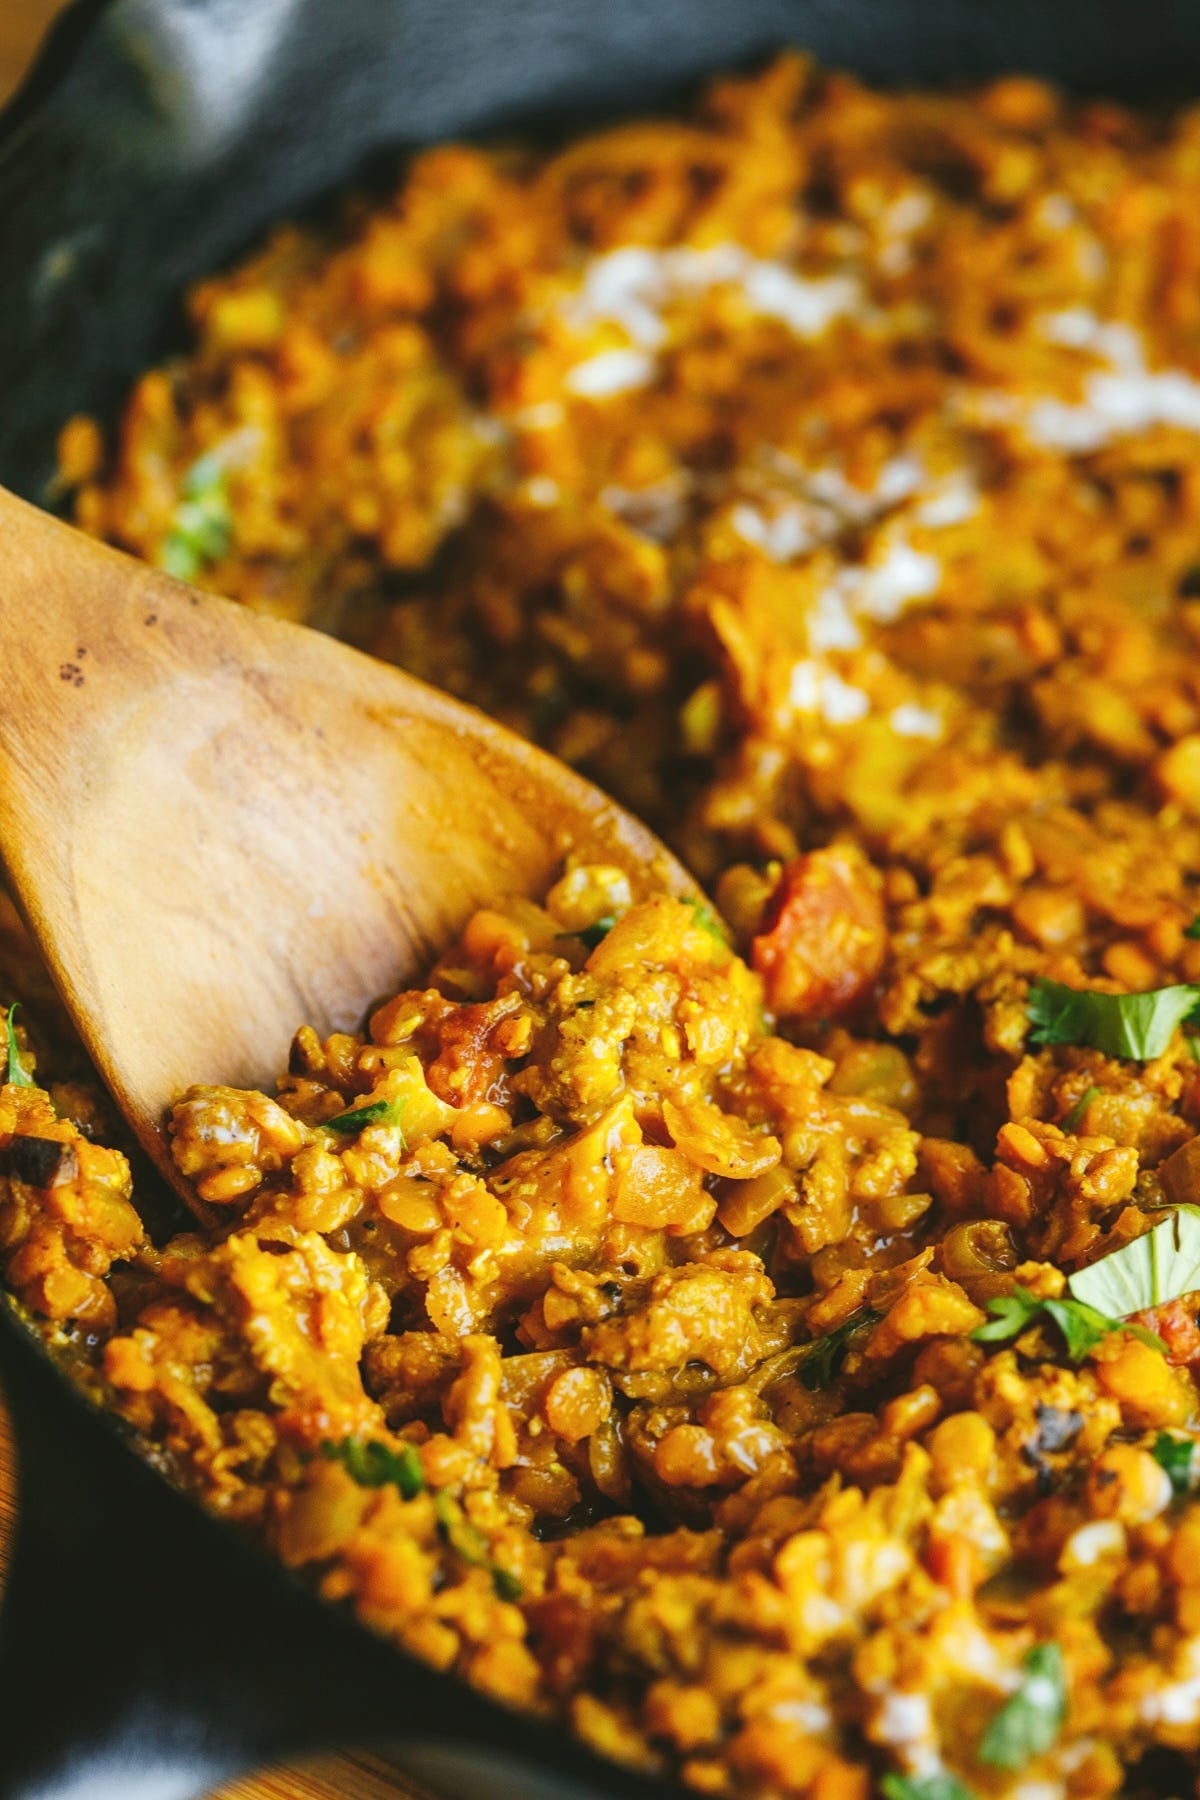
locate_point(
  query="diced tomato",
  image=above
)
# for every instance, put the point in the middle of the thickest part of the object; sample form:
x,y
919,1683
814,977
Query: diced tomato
x,y
955,1564
824,935
1176,1324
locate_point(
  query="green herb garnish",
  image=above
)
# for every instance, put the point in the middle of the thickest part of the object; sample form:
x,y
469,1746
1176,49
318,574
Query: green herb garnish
x,y
1075,1117
458,1531
374,1465
1082,1326
593,933
471,1545
707,920
1177,1455
942,1786
1011,1314
1030,1720
1193,930
506,1584
375,1112
14,1073
1159,1266
825,1355
1137,1026
203,524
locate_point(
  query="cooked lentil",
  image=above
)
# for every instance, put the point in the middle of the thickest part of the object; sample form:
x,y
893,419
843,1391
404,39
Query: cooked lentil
x,y
821,473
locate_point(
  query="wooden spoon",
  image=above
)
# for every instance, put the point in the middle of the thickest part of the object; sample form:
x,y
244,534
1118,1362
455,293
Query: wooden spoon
x,y
220,826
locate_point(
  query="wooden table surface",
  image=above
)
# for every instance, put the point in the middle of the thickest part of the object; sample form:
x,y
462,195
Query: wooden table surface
x,y
346,1777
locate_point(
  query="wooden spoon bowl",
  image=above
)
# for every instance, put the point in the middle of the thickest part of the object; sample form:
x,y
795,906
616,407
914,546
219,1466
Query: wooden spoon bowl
x,y
220,826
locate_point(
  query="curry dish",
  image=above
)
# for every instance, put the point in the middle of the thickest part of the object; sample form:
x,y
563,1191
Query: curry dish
x,y
766,1337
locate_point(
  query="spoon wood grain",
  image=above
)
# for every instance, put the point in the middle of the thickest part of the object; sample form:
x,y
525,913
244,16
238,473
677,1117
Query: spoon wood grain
x,y
219,825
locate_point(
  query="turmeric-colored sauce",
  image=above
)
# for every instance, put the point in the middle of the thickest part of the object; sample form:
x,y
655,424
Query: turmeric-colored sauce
x,y
726,1330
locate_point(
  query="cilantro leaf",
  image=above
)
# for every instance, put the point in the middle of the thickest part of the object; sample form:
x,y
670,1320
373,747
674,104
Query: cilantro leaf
x,y
373,1465
471,1545
1011,1313
1177,1455
1150,1338
1159,1266
507,1585
203,523
1137,1026
593,933
1082,1326
457,1530
942,1786
1031,1718
14,1074
1076,1115
707,920
1192,930
825,1355
375,1112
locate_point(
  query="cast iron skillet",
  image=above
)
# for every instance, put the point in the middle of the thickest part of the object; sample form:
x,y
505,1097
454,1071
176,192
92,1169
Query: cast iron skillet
x,y
144,1653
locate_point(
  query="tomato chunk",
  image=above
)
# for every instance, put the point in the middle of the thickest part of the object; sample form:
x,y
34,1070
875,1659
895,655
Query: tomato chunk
x,y
1176,1324
824,935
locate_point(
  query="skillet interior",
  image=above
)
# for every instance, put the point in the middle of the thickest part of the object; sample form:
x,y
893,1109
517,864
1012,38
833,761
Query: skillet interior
x,y
158,136
134,162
